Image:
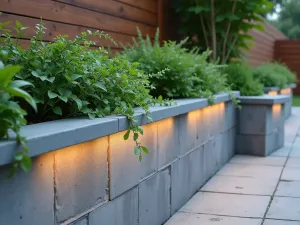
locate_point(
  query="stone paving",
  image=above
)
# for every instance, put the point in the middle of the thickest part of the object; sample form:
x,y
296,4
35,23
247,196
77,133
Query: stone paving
x,y
251,190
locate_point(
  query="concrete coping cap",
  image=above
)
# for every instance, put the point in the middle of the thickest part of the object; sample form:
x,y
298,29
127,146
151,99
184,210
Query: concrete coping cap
x,y
264,99
50,136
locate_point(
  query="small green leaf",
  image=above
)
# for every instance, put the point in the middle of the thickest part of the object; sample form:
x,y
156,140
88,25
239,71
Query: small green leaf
x,y
140,157
135,136
126,135
34,73
137,150
52,94
18,156
145,150
57,110
101,86
141,130
26,163
76,76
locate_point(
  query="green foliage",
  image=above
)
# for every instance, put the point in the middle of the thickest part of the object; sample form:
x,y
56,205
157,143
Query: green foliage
x,y
274,74
221,25
185,74
11,114
289,19
73,78
240,77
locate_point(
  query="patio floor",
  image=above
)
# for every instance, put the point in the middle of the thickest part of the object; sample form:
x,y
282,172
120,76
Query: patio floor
x,y
251,190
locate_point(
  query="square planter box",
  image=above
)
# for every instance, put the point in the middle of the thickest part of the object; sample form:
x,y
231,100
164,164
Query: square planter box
x,y
260,129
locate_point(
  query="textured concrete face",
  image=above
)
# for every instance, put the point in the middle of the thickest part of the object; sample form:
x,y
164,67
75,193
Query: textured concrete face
x,y
227,204
187,131
210,159
251,145
83,221
187,177
252,119
28,199
203,125
230,115
240,185
197,219
125,168
81,177
284,208
120,211
168,141
154,199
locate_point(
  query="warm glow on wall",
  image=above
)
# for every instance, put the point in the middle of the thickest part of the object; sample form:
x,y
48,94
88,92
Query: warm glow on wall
x,y
276,110
272,93
286,91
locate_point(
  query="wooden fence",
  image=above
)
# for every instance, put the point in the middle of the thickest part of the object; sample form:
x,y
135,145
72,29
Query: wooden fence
x,y
288,52
118,18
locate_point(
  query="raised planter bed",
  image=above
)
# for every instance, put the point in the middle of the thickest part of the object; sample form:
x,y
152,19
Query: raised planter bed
x,y
84,170
288,91
260,129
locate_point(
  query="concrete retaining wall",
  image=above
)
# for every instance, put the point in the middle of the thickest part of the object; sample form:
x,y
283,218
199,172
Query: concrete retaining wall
x,y
84,173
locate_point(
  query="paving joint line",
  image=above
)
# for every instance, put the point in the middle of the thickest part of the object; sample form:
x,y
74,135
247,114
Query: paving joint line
x,y
284,165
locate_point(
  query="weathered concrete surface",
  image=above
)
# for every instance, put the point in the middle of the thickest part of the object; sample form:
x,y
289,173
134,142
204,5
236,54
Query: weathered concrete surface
x,y
246,186
28,199
120,211
81,179
154,199
125,174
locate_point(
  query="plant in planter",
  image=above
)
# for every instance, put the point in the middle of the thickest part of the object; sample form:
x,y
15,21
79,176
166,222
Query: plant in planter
x,y
240,77
186,74
11,114
274,75
72,78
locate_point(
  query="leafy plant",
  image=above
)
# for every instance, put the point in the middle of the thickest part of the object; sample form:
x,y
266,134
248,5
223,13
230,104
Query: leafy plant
x,y
221,25
240,77
11,114
73,78
186,74
274,74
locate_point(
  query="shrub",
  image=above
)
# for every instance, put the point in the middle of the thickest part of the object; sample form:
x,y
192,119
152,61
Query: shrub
x,y
185,73
240,77
274,74
73,78
11,114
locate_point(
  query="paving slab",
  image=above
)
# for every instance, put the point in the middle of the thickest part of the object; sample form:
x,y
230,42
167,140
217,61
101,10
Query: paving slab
x,y
252,171
295,153
197,219
267,161
288,189
293,162
290,174
280,222
241,185
227,204
282,152
284,208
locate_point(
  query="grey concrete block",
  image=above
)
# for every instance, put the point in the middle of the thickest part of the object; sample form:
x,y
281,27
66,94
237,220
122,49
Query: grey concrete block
x,y
203,126
81,177
253,119
28,199
125,168
168,141
187,131
232,141
187,176
82,221
154,199
210,159
263,100
120,211
230,115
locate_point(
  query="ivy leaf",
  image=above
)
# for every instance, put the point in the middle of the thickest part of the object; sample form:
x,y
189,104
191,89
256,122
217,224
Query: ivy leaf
x,y
52,94
57,110
26,163
137,150
101,86
126,135
135,136
18,156
140,157
145,150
